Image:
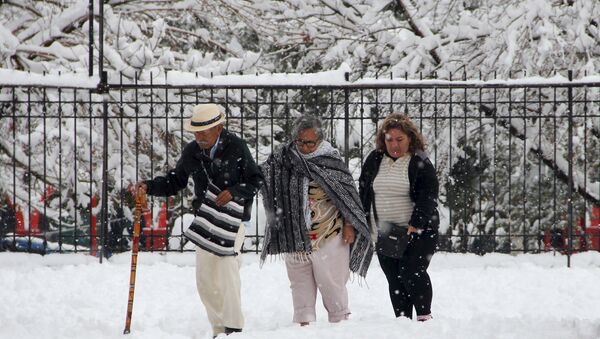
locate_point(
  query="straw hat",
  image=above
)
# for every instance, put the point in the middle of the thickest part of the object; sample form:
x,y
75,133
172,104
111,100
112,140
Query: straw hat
x,y
204,116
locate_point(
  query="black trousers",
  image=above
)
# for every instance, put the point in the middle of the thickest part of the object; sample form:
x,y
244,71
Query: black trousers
x,y
409,283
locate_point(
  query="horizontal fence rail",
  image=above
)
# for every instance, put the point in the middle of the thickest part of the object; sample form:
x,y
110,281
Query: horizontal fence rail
x,y
517,161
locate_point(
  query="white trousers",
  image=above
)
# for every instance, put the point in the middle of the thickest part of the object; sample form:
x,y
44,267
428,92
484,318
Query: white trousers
x,y
219,286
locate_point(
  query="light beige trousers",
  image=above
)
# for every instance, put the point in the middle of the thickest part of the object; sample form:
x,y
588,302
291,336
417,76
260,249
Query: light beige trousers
x,y
326,270
218,282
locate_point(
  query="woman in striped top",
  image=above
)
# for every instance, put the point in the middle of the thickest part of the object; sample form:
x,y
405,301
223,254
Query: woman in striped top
x,y
399,180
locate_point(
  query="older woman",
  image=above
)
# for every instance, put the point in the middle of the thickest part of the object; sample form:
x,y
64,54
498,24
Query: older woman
x,y
314,218
398,186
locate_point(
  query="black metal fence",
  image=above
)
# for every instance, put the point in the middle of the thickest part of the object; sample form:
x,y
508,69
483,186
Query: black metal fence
x,y
517,161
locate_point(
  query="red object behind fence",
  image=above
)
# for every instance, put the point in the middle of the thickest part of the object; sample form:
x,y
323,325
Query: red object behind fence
x,y
34,218
20,227
592,232
156,238
34,222
93,232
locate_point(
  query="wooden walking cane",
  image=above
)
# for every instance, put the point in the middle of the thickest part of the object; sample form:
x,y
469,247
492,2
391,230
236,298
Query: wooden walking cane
x,y
140,203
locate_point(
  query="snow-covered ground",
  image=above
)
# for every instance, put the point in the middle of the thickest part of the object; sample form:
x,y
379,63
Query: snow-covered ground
x,y
494,296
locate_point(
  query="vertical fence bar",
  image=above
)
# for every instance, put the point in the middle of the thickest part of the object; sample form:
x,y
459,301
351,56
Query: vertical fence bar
x,y
27,220
332,111
303,102
136,109
495,164
421,105
509,174
406,113
121,215
375,117
485,238
435,125
554,137
570,164
450,198
316,101
75,176
583,237
103,226
197,97
227,115
101,41
347,120
256,145
93,225
91,37
362,125
524,217
435,142
286,112
272,115
42,218
165,237
149,228
182,145
212,91
14,165
60,155
242,113
539,117
466,194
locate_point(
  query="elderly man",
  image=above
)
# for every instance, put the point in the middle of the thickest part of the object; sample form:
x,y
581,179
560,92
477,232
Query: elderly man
x,y
223,170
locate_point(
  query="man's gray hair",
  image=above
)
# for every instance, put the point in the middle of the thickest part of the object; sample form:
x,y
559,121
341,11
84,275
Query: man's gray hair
x,y
308,122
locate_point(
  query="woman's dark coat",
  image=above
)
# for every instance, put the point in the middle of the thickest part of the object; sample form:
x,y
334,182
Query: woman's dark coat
x,y
424,188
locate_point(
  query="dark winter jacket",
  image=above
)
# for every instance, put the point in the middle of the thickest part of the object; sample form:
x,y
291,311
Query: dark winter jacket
x,y
232,168
423,188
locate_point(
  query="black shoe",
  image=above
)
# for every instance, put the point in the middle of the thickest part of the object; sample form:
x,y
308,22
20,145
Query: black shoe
x,y
229,330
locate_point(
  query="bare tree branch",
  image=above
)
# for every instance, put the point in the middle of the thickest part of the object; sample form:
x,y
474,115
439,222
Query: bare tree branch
x,y
415,28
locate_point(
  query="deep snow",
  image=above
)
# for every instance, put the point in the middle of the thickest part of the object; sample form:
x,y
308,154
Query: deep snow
x,y
494,296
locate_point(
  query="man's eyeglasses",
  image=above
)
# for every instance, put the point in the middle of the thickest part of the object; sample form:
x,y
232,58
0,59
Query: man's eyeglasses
x,y
308,143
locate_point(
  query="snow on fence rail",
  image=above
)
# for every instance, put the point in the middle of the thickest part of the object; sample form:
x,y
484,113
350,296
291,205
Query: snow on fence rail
x,y
342,77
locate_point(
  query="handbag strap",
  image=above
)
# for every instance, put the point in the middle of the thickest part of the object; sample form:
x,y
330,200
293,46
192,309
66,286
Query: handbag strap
x,y
375,209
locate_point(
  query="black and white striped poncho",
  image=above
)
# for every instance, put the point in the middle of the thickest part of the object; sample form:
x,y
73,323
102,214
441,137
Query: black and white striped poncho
x,y
215,228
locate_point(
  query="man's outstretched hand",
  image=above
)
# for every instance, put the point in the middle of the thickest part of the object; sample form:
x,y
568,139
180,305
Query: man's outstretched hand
x,y
140,188
223,198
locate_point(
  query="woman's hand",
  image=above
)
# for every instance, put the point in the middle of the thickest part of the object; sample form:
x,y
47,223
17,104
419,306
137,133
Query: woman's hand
x,y
348,233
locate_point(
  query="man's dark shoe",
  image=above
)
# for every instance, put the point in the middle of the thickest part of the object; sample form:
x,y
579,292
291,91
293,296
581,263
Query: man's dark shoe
x,y
229,330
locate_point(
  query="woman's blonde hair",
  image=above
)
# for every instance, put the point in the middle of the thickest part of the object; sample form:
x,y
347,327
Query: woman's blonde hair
x,y
403,123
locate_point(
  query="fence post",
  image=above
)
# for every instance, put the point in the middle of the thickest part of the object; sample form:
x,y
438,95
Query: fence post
x,y
346,120
570,171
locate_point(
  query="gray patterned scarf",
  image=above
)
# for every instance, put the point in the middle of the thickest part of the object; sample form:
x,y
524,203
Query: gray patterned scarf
x,y
283,193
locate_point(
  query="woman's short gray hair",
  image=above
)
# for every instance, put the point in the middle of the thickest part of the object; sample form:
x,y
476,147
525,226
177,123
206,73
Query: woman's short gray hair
x,y
308,122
